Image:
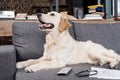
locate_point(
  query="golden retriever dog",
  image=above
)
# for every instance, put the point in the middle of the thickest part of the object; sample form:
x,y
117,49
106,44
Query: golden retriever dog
x,y
61,49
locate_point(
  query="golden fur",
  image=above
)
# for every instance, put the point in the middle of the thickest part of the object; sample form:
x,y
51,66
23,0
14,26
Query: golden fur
x,y
64,24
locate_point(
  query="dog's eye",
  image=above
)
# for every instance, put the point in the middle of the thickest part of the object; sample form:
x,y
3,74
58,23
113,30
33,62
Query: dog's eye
x,y
52,14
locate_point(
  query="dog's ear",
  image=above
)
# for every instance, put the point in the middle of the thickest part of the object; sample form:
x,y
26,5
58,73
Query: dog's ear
x,y
64,24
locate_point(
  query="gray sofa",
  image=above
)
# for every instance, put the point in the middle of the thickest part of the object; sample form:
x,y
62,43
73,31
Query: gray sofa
x,y
28,43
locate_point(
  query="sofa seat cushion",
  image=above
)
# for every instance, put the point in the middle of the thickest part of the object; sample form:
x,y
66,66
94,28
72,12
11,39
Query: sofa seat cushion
x,y
52,74
28,40
106,34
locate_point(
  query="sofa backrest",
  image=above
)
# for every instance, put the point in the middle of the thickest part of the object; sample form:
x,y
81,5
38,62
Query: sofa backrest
x,y
106,34
29,40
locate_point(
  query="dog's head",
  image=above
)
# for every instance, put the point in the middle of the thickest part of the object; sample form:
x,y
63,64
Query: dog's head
x,y
53,21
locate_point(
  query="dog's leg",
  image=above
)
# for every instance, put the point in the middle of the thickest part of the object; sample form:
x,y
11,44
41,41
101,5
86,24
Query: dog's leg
x,y
113,61
112,54
102,54
105,58
29,62
44,65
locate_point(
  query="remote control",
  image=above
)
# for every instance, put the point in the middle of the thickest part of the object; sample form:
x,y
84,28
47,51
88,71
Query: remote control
x,y
64,71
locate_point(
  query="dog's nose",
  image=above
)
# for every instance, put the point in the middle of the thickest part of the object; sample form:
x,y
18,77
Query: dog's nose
x,y
39,14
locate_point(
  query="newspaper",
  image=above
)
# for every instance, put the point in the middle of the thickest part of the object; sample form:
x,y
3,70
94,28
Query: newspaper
x,y
106,73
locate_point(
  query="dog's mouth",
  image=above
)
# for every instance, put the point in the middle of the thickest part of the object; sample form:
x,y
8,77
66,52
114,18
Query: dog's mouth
x,y
45,25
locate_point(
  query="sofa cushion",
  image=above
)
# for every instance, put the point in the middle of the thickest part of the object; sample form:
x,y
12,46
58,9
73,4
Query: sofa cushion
x,y
51,74
106,34
28,40
7,62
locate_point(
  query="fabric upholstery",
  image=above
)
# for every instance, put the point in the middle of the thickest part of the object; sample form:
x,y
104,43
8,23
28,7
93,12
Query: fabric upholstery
x,y
7,62
71,31
51,74
106,34
28,40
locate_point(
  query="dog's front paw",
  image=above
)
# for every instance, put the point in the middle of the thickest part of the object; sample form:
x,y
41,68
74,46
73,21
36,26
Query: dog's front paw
x,y
32,69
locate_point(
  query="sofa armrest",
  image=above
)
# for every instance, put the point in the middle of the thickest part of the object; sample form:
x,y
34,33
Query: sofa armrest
x,y
7,62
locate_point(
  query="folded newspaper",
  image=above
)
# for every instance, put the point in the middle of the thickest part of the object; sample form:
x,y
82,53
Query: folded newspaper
x,y
106,73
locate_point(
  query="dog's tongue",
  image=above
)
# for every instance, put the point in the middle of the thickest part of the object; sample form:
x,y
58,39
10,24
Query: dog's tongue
x,y
45,25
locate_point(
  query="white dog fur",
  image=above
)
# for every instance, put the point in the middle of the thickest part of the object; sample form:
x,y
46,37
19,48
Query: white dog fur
x,y
61,49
